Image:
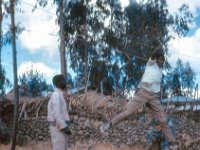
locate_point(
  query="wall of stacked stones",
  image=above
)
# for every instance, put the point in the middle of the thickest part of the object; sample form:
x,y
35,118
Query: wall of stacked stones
x,y
88,111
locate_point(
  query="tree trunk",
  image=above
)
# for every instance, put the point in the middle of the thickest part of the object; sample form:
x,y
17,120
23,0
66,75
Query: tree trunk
x,y
62,41
86,63
16,97
1,18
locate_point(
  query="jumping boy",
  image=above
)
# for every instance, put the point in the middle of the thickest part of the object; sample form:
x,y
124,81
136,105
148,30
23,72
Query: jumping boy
x,y
148,93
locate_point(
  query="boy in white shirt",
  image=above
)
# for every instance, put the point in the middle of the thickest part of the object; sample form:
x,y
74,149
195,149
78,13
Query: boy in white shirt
x,y
58,117
148,93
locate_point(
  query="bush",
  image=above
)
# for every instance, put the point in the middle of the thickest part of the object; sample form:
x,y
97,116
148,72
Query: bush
x,y
21,140
32,84
5,133
4,82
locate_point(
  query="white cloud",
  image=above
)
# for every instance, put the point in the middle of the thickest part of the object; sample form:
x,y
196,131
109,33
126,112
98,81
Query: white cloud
x,y
41,23
38,38
175,4
41,68
40,27
188,50
124,3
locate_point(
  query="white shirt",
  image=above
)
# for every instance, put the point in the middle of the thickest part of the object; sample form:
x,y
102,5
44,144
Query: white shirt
x,y
152,77
57,109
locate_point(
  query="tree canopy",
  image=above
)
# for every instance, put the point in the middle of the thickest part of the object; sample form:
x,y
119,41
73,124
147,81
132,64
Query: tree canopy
x,y
179,80
123,44
32,84
107,42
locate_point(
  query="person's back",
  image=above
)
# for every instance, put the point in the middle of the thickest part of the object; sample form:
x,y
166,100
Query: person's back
x,y
61,115
152,77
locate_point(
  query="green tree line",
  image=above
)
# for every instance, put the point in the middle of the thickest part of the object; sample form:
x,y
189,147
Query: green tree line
x,y
108,45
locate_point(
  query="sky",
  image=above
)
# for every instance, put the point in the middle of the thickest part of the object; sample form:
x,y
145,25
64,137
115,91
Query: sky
x,y
37,46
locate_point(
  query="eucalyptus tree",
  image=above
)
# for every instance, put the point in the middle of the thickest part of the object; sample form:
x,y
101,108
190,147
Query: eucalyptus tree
x,y
91,40
185,76
75,25
127,40
4,82
114,38
60,13
61,6
147,27
1,19
32,83
177,76
189,79
6,39
84,24
101,31
179,80
132,35
16,97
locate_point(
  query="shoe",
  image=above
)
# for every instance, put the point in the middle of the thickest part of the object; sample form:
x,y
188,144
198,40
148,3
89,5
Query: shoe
x,y
105,126
172,147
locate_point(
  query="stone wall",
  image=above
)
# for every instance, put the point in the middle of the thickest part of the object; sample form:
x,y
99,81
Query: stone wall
x,y
88,111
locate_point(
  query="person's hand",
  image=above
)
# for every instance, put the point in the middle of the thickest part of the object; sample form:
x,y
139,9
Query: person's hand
x,y
67,130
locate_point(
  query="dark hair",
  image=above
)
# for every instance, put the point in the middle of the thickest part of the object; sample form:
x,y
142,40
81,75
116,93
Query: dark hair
x,y
59,81
158,54
157,50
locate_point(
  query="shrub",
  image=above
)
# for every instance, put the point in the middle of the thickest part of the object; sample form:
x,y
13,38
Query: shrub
x,y
5,133
32,84
21,140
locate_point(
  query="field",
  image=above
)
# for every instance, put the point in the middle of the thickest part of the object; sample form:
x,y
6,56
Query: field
x,y
79,146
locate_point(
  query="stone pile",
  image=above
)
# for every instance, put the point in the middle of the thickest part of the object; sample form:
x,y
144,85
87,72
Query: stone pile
x,y
34,128
89,110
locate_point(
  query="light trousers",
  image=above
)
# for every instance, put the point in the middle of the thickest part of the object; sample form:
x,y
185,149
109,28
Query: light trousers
x,y
153,100
58,138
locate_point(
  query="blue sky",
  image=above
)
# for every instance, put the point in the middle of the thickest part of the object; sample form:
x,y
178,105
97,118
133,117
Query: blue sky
x,y
37,46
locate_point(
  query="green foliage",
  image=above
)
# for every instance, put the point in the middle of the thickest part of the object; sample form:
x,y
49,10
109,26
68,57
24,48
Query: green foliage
x,y
100,75
121,40
5,133
4,82
147,27
186,77
32,84
21,140
7,37
131,32
179,80
182,20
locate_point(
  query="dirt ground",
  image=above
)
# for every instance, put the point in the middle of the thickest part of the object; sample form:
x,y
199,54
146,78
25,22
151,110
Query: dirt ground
x,y
80,146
